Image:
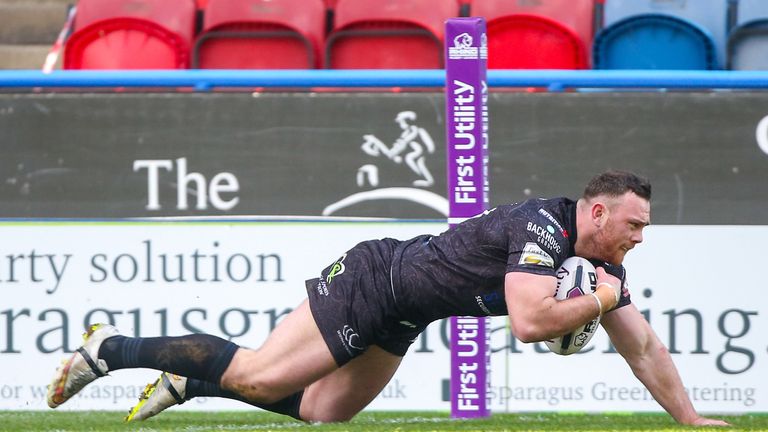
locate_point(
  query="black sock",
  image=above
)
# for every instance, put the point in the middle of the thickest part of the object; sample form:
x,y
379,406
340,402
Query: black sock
x,y
200,356
287,406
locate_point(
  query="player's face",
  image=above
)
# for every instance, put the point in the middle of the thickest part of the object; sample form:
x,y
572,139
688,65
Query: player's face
x,y
623,228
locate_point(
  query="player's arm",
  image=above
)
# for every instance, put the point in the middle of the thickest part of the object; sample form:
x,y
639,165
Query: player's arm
x,y
535,315
652,364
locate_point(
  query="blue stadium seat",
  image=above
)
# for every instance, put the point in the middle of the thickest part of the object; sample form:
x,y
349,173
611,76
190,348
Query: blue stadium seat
x,y
750,10
653,42
694,19
748,39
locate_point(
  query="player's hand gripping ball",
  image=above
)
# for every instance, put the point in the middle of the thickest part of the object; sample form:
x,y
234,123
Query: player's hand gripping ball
x,y
576,277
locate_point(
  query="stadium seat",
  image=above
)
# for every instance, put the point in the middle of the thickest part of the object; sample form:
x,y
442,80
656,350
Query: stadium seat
x,y
545,34
750,10
131,34
388,34
260,34
662,33
464,8
748,39
654,42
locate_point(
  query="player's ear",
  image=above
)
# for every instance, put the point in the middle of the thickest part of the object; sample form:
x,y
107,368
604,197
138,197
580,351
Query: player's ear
x,y
599,213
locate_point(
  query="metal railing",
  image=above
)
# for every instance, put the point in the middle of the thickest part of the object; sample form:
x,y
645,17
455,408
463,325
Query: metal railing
x,y
554,80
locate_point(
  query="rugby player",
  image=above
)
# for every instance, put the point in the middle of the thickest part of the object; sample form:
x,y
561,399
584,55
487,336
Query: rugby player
x,y
337,350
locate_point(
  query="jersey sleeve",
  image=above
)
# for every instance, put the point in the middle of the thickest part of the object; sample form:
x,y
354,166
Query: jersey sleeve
x,y
535,246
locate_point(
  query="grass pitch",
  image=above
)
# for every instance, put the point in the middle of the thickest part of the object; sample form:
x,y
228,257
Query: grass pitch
x,y
367,421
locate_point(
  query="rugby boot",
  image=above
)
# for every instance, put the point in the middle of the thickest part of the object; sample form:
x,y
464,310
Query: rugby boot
x,y
82,367
166,391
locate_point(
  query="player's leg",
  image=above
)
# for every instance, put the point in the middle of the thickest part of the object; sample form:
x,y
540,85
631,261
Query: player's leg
x,y
353,328
298,353
347,390
336,397
275,370
291,358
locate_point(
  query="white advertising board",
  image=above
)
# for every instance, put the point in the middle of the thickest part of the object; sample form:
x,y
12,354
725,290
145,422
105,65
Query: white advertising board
x,y
696,285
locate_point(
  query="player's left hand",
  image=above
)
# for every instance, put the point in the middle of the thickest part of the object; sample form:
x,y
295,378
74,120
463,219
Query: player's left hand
x,y
608,290
703,421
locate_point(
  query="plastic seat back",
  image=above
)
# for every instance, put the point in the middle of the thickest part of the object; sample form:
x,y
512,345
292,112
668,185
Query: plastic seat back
x,y
750,10
748,40
654,42
709,16
389,34
261,34
131,34
533,42
543,34
748,46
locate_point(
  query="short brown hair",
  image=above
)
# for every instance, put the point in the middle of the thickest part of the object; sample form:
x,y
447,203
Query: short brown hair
x,y
615,183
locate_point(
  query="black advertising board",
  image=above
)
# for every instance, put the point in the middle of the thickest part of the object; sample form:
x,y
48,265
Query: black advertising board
x,y
121,155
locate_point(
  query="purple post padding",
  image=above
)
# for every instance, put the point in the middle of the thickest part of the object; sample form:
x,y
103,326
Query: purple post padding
x,y
466,97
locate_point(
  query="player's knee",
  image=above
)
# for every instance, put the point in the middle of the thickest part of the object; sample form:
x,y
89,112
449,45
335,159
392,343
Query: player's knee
x,y
327,416
325,409
257,388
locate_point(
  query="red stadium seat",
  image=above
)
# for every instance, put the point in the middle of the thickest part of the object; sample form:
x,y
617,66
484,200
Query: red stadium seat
x,y
261,34
131,34
389,34
542,34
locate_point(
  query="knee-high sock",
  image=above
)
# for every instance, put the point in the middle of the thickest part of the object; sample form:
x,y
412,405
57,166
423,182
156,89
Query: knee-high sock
x,y
201,356
289,405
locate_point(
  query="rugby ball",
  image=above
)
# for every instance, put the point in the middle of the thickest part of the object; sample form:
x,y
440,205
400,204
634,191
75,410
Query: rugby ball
x,y
576,277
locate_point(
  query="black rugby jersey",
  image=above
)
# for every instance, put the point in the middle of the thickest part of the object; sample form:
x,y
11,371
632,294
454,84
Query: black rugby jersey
x,y
461,271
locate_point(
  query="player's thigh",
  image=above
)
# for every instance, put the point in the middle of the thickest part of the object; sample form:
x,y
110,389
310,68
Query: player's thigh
x,y
293,356
346,391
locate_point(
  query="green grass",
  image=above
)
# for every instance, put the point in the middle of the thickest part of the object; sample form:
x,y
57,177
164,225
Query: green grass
x,y
367,421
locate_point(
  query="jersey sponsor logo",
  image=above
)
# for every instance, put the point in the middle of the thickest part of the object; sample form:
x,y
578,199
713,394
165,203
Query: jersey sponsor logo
x,y
482,305
336,269
533,254
546,238
322,288
349,339
489,302
554,221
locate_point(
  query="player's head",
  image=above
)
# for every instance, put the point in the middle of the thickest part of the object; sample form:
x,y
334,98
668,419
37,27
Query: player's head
x,y
615,208
616,183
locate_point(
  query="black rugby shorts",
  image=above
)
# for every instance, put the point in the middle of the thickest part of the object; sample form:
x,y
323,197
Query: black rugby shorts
x,y
353,305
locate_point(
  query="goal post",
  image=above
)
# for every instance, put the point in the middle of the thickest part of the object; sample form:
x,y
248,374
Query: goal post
x,y
466,120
